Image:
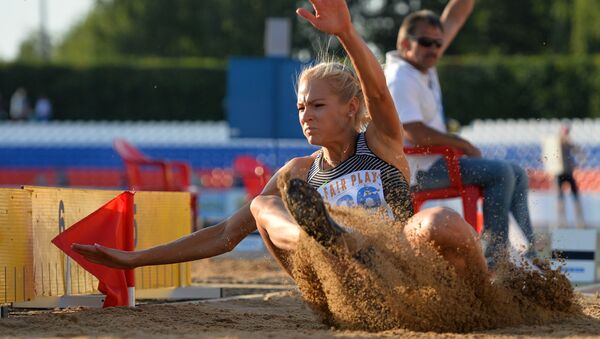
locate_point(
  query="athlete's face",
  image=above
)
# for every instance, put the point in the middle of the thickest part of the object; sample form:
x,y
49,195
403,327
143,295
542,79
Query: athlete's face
x,y
323,117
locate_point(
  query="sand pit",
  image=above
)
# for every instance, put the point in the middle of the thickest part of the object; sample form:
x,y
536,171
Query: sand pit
x,y
240,268
275,314
284,313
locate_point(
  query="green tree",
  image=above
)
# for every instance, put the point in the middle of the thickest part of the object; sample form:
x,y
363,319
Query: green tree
x,y
34,48
218,28
585,34
210,28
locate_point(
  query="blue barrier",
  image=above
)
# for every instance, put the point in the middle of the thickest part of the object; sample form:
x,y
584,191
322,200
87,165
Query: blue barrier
x,y
261,99
272,153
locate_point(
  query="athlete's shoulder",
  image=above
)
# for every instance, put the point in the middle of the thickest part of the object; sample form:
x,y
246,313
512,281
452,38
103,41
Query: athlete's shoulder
x,y
300,166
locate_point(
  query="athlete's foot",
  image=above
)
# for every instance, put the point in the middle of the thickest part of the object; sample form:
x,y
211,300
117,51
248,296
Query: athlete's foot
x,y
365,256
307,207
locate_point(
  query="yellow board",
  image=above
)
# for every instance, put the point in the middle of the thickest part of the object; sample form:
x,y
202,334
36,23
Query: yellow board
x,y
38,214
16,255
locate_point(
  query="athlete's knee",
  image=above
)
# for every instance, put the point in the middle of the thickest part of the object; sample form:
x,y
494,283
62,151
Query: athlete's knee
x,y
442,217
257,204
435,222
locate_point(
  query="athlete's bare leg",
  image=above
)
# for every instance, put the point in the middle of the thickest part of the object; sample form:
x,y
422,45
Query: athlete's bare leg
x,y
277,228
280,226
455,239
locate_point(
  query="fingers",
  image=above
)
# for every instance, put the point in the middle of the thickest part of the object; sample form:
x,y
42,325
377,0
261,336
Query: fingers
x,y
308,16
84,249
91,250
98,254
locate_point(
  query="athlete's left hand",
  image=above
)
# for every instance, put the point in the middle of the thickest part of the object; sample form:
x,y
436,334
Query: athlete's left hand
x,y
331,16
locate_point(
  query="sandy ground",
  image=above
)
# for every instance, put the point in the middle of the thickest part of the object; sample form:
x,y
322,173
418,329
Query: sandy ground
x,y
279,314
247,268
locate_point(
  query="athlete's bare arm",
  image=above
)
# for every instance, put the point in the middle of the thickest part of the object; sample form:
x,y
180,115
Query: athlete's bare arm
x,y
333,17
204,243
270,212
384,133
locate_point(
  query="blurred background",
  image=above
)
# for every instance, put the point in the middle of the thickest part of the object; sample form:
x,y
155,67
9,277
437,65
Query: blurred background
x,y
210,81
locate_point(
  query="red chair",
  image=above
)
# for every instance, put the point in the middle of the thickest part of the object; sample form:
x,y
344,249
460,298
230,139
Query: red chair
x,y
470,195
254,174
146,174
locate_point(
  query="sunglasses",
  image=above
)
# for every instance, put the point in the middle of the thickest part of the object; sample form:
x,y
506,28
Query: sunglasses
x,y
428,42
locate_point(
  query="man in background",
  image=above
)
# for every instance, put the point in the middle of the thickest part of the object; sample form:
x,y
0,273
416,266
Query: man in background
x,y
413,82
568,152
19,105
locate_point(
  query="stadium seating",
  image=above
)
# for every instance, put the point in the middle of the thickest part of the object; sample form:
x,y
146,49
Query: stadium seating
x,y
61,146
254,174
15,177
215,178
94,178
146,174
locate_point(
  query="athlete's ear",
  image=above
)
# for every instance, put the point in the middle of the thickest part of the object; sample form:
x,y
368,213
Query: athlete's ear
x,y
354,104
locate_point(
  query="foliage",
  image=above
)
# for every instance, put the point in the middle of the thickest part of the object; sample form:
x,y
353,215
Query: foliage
x,y
209,28
521,87
152,90
34,48
111,60
220,28
194,89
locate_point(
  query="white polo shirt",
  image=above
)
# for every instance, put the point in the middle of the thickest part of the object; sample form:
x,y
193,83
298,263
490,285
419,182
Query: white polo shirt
x,y
418,97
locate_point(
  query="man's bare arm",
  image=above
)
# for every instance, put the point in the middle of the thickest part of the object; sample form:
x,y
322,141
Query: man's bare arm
x,y
453,18
420,134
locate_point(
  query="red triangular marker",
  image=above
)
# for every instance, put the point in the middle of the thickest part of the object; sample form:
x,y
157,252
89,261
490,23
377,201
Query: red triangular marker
x,y
112,226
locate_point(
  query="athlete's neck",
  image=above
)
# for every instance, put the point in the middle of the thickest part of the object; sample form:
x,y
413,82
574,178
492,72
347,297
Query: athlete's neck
x,y
334,155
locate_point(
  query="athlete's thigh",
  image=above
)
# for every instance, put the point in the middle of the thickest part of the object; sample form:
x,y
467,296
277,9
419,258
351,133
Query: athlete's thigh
x,y
442,225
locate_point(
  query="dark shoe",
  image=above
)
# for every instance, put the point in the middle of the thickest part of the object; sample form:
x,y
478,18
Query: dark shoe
x,y
365,256
308,209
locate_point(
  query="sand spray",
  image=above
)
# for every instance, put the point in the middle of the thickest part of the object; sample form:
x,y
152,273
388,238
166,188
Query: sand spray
x,y
412,287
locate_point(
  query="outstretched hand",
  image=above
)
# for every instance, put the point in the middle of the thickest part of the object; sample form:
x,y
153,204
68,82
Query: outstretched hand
x,y
104,255
331,16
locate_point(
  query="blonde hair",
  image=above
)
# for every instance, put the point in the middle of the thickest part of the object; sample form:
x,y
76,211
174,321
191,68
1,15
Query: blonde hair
x,y
344,84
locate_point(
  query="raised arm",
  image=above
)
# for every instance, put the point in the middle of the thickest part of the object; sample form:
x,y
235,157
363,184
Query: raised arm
x,y
333,17
453,18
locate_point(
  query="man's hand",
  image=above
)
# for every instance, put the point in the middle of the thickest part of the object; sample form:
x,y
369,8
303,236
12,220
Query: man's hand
x,y
471,150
